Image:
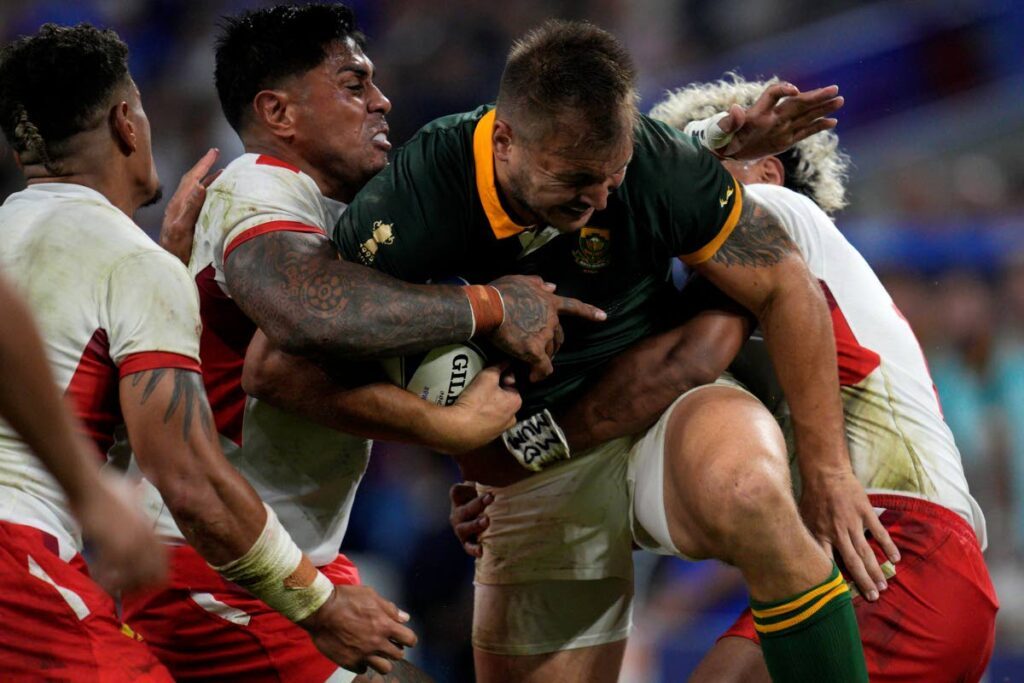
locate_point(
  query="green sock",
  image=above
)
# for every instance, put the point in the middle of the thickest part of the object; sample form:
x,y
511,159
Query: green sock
x,y
812,636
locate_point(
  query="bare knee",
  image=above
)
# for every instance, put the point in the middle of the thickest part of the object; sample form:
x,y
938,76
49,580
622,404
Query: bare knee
x,y
728,475
743,504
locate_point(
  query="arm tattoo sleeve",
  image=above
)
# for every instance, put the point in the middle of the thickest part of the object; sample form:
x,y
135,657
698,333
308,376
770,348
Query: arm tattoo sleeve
x,y
187,396
310,302
757,241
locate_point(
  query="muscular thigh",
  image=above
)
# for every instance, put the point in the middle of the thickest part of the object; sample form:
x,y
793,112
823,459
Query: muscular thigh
x,y
712,442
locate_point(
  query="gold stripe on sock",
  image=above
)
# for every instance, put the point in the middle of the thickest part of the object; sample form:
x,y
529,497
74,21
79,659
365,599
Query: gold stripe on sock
x,y
805,615
802,600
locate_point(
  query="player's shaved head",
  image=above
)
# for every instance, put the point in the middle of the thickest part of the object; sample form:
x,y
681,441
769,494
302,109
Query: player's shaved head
x,y
259,49
569,75
55,84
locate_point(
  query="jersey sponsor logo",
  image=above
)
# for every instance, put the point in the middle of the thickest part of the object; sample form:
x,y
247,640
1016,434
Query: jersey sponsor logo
x,y
594,249
725,200
383,234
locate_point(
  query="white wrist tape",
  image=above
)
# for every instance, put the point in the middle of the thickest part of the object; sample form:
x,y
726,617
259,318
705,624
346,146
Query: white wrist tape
x,y
276,572
537,441
709,132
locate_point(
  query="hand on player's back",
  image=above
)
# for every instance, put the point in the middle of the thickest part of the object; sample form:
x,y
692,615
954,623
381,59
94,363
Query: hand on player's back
x,y
182,212
771,126
357,628
531,331
485,409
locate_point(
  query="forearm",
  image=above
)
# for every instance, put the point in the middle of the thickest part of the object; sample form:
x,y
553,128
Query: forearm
x,y
374,410
31,404
171,431
639,385
798,334
311,303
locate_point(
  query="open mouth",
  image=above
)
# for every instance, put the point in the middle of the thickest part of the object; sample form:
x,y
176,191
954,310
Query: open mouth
x,y
576,211
381,140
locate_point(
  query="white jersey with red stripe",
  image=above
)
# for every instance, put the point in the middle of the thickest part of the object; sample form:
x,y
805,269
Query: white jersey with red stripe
x,y
308,473
898,440
109,303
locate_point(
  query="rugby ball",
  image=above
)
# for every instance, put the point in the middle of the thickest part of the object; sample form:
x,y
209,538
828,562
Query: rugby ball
x,y
440,375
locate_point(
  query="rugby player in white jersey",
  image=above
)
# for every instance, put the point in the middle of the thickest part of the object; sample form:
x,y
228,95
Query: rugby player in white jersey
x,y
120,322
126,555
297,87
935,621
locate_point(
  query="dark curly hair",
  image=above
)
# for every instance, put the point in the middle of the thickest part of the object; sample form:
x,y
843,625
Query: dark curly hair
x,y
260,48
569,68
56,83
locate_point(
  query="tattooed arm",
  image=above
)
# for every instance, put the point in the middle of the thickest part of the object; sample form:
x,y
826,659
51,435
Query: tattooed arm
x,y
760,267
311,303
171,431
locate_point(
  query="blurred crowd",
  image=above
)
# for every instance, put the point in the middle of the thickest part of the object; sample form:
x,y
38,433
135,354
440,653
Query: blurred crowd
x,y
942,225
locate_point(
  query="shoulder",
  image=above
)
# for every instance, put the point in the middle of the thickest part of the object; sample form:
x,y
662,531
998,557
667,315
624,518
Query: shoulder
x,y
263,178
146,264
665,159
447,141
794,209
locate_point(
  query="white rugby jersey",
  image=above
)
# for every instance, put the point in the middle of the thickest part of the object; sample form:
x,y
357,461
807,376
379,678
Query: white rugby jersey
x,y
308,473
109,302
898,440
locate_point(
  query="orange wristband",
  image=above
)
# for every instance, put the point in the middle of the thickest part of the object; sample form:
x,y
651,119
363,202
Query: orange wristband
x,y
488,308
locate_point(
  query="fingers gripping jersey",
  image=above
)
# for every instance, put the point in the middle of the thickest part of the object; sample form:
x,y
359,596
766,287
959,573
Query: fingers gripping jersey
x,y
435,212
307,473
897,438
109,302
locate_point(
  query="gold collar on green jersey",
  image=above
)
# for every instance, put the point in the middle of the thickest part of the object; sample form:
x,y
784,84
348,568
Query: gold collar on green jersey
x,y
483,158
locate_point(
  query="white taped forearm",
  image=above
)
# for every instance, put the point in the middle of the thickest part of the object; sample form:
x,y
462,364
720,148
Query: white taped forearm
x,y
709,132
276,572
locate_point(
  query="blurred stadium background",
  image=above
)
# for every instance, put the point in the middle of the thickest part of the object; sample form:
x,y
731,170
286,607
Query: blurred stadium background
x,y
934,121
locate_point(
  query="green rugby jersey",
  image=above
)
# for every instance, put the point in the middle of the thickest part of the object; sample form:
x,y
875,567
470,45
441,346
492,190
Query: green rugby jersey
x,y
434,212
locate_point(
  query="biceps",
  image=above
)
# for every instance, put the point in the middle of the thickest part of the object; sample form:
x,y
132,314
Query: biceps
x,y
273,276
165,409
756,260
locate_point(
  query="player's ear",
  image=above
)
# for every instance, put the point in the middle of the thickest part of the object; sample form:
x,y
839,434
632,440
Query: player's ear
x,y
501,139
772,172
271,109
122,128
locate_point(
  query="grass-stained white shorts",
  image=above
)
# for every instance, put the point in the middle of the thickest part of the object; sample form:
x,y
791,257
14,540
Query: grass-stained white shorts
x,y
557,566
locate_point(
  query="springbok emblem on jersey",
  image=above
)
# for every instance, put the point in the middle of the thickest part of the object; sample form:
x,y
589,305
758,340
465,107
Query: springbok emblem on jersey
x,y
383,234
594,249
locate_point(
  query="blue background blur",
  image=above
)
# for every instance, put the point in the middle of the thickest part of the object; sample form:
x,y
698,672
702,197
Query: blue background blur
x,y
934,120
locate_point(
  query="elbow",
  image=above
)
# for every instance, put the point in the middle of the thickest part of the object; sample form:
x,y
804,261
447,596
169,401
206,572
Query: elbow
x,y
185,496
291,336
694,366
260,377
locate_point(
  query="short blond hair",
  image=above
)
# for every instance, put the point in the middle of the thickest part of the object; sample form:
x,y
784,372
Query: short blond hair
x,y
820,169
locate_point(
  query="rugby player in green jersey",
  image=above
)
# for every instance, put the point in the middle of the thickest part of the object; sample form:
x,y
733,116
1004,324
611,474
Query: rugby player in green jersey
x,y
539,185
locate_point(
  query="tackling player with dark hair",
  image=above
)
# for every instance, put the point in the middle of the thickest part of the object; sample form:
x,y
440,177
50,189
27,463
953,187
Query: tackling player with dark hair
x,y
120,321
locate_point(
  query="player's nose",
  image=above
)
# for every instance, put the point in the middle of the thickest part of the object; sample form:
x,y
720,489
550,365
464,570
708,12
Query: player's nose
x,y
378,101
597,197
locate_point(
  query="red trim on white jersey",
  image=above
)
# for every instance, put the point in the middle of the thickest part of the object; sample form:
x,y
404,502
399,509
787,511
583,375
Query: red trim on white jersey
x,y
151,360
263,229
93,391
267,160
227,332
855,361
